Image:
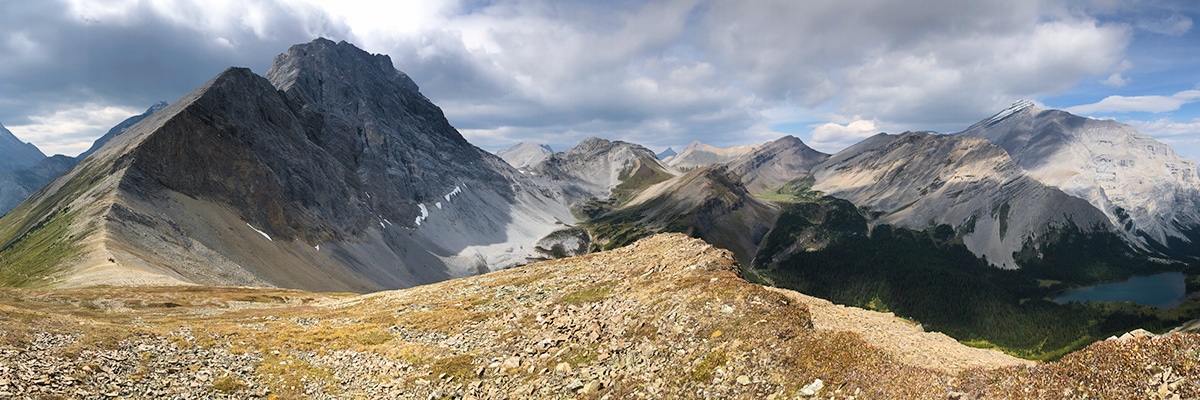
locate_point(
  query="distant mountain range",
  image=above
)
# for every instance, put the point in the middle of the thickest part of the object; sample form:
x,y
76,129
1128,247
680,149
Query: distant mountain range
x,y
333,172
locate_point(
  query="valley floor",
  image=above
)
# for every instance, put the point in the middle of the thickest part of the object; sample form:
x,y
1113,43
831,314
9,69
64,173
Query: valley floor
x,y
667,317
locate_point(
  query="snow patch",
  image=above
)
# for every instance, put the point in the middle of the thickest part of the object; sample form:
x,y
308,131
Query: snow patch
x,y
438,205
457,190
260,232
1019,106
424,214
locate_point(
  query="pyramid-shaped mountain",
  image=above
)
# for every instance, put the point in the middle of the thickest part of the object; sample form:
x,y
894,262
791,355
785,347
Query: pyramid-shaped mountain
x,y
1141,185
916,179
331,173
16,155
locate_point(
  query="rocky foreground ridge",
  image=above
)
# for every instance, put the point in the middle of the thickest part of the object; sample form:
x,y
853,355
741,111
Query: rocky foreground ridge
x,y
667,317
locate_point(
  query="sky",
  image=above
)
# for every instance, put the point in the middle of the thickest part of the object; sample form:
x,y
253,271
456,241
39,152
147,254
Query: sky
x,y
657,73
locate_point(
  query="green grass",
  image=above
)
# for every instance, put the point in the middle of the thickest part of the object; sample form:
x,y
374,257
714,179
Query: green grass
x,y
589,294
704,370
40,253
796,190
643,174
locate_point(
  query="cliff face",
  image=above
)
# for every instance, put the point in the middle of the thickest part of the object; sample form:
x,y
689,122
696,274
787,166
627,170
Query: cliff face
x,y
1140,184
333,174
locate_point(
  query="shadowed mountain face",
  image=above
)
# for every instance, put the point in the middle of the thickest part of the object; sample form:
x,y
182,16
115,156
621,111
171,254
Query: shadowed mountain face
x,y
334,173
16,186
1140,184
16,155
708,203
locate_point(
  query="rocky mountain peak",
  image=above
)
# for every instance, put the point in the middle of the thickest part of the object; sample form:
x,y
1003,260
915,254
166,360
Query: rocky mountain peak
x,y
525,154
698,154
1020,107
15,154
775,163
1141,184
591,145
325,60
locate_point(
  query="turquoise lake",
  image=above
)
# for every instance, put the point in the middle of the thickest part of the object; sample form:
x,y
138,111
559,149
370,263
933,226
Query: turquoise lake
x,y
1165,291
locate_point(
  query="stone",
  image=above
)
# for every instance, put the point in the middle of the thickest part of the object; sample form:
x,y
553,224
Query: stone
x,y
590,387
743,380
563,368
813,388
511,363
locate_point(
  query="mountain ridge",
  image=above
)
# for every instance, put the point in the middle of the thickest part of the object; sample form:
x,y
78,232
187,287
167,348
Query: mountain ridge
x,y
1141,185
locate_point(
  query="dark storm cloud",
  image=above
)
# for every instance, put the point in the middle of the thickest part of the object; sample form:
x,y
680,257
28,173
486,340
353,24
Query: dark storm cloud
x,y
131,59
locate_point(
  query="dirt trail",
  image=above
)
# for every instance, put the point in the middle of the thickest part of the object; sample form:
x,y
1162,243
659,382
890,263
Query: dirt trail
x,y
905,339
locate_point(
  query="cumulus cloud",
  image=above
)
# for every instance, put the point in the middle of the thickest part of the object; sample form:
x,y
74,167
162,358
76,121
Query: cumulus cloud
x,y
659,73
1154,104
1115,80
830,137
68,131
73,55
1164,128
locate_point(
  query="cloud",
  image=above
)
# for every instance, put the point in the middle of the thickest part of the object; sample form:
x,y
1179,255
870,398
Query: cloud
x,y
73,55
1115,80
936,66
1174,25
68,131
1165,128
832,137
660,73
1122,104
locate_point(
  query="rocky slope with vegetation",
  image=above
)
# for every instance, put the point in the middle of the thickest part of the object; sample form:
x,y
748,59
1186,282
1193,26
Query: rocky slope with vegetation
x,y
667,317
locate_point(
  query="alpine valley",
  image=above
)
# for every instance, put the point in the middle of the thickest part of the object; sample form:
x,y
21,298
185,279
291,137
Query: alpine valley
x,y
323,231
